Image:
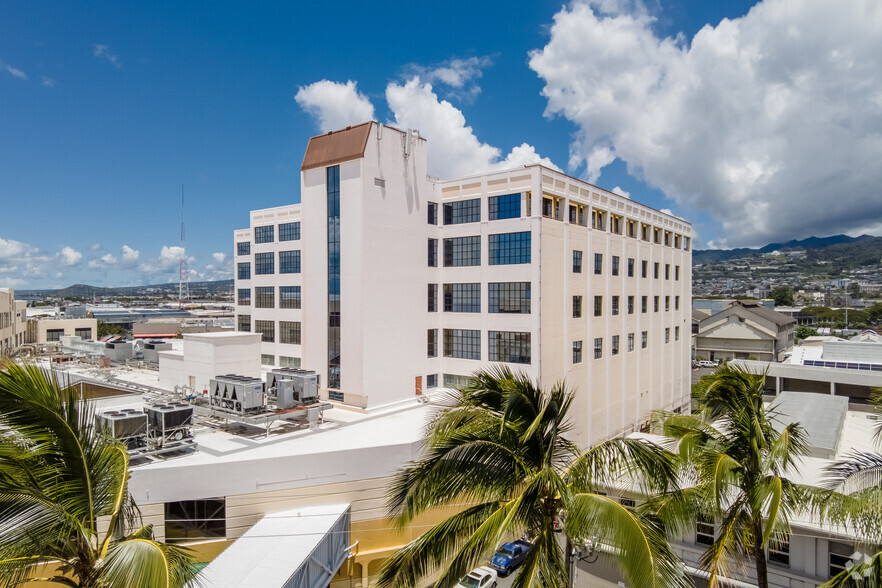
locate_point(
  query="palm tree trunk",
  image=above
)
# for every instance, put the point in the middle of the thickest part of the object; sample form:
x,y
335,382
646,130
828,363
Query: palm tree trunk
x,y
759,555
571,564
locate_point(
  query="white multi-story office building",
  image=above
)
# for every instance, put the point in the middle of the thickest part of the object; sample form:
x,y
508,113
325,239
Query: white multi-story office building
x,y
13,320
389,283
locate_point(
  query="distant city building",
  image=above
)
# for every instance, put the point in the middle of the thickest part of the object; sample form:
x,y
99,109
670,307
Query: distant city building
x,y
47,330
13,317
744,329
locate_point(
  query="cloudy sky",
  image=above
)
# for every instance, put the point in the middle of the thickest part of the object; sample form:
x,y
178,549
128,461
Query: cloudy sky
x,y
757,122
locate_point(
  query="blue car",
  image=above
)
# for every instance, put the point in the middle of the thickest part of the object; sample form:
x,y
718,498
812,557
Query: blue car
x,y
510,556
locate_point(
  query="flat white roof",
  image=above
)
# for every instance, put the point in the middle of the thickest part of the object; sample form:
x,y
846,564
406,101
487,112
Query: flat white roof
x,y
272,551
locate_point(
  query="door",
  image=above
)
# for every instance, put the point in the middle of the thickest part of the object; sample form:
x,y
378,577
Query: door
x,y
418,386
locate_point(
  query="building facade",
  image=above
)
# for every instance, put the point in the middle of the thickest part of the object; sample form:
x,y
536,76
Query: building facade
x,y
390,284
46,330
13,321
745,329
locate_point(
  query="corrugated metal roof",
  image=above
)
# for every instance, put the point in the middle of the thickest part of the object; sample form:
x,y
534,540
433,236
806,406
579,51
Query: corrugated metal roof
x,y
336,147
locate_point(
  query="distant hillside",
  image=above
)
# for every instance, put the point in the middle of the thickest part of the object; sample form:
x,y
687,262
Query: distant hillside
x,y
818,248
87,291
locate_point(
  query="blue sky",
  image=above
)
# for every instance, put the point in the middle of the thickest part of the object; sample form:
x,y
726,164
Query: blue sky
x,y
725,114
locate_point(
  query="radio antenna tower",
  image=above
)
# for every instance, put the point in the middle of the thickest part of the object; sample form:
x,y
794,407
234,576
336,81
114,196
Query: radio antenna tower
x,y
184,279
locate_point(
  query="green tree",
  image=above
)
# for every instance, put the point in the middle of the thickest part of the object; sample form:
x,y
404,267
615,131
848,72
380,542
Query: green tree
x,y
803,332
500,450
61,482
105,329
740,463
782,295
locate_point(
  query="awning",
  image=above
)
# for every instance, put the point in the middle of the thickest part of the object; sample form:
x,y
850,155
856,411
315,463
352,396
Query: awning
x,y
297,548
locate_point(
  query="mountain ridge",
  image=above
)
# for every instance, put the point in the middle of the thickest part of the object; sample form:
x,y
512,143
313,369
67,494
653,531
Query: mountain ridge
x,y
705,256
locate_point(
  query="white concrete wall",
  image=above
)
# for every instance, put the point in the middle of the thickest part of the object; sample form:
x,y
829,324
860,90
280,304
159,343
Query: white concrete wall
x,y
207,355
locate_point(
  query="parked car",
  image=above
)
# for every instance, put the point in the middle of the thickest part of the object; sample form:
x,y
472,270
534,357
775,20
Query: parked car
x,y
708,363
482,577
510,556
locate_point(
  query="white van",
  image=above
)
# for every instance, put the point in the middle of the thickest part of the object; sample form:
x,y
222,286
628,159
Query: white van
x,y
706,363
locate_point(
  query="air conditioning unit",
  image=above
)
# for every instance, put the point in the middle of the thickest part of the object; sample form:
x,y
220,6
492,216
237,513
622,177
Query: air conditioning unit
x,y
169,422
128,425
239,394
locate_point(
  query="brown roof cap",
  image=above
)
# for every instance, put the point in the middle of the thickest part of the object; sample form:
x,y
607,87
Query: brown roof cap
x,y
336,147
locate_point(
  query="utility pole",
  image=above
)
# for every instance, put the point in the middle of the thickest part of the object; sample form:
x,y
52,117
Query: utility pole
x,y
184,275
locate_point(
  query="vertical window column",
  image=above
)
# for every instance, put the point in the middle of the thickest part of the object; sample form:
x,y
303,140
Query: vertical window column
x,y
334,319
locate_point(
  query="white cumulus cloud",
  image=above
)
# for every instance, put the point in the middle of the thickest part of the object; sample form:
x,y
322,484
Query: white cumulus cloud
x,y
219,257
335,105
68,256
772,122
621,192
130,255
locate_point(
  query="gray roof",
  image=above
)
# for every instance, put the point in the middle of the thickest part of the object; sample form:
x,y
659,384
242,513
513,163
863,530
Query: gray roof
x,y
821,415
764,312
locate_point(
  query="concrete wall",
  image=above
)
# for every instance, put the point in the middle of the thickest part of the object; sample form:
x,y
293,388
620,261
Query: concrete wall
x,y
207,355
38,328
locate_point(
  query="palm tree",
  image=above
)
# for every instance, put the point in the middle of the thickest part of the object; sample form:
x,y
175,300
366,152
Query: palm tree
x,y
859,478
737,464
499,451
64,499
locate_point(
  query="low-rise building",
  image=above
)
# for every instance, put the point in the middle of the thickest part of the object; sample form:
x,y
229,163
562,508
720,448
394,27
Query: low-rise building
x,y
745,329
49,329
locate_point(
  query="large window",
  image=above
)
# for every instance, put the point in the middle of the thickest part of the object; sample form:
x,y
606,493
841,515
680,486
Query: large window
x,y
289,362
509,347
267,359
456,381
510,248
244,323
598,263
85,333
244,298
267,330
243,248
190,520
615,305
655,270
289,232
630,305
334,306
432,343
598,306
615,265
643,304
630,267
289,262
289,332
432,213
54,334
839,556
615,345
263,264
505,206
244,270
577,262
289,296
264,234
264,297
508,297
432,381
705,530
462,343
577,307
462,297
462,251
577,352
433,298
779,552
433,252
464,211
598,348
643,268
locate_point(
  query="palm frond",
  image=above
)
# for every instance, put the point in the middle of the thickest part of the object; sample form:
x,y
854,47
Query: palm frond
x,y
144,563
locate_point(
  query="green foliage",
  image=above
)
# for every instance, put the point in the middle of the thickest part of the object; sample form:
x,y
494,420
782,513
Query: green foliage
x,y
500,450
105,329
58,476
804,331
782,295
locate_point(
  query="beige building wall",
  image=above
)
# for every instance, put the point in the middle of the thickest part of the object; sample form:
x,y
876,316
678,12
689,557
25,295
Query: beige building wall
x,y
13,321
52,329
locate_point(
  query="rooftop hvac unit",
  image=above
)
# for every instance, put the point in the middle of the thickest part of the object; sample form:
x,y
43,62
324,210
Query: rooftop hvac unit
x,y
169,422
239,394
129,426
293,387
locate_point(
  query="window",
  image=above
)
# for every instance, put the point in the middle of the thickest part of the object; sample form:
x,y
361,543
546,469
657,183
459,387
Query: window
x,y
615,305
577,307
263,264
655,270
598,348
432,381
85,333
577,262
655,303
464,211
628,502
289,296
705,530
630,305
615,265
455,381
267,359
244,270
244,323
289,332
289,262
676,272
667,334
630,341
598,263
505,206
462,343
644,336
667,271
643,268
598,219
54,334
462,297
598,305
509,347
264,234
510,248
462,251
264,297
432,343
577,352
615,345
244,298
267,330
676,303
630,267
433,252
632,228
643,300
243,248
839,557
289,362
667,303
779,552
432,214
676,333
433,298
508,297
289,232
547,207
189,520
